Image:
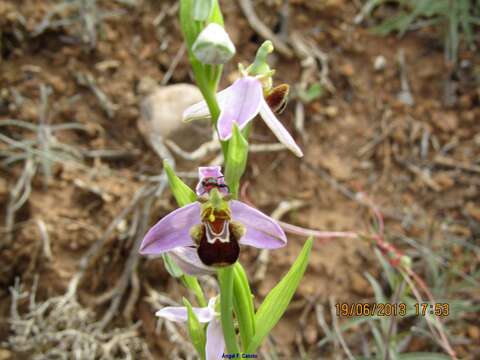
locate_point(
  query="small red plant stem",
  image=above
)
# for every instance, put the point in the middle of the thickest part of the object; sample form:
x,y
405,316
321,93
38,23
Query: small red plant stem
x,y
395,256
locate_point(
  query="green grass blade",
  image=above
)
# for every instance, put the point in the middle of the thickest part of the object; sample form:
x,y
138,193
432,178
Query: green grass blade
x,y
277,300
195,330
182,193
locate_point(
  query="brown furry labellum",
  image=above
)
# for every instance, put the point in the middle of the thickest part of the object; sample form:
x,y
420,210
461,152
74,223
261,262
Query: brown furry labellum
x,y
277,98
217,240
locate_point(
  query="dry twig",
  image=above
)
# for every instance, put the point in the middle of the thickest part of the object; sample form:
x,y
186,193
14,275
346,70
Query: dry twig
x,y
87,80
262,29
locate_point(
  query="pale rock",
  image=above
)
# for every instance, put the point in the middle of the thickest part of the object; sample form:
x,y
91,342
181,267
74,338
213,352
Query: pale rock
x,y
446,121
360,285
331,111
379,63
473,211
161,111
146,85
5,354
473,332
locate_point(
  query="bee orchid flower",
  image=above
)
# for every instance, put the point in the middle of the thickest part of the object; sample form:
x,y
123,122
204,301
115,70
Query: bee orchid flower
x,y
215,344
240,103
207,233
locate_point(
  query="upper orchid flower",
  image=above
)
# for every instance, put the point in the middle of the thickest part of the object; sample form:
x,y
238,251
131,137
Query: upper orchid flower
x,y
215,344
240,103
212,228
245,98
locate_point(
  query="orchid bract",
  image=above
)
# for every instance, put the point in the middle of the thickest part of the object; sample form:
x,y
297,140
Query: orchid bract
x,y
206,234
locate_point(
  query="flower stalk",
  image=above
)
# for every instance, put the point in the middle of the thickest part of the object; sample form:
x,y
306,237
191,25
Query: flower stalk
x,y
225,279
205,234
243,305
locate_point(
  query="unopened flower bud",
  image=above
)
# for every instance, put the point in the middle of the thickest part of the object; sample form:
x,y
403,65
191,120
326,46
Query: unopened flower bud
x,y
213,45
406,261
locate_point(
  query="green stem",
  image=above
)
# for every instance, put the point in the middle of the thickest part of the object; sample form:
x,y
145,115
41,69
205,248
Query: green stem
x,y
225,279
207,83
192,284
211,100
243,305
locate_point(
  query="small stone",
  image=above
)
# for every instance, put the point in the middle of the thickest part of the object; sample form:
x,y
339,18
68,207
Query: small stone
x,y
460,230
360,285
29,111
5,354
473,332
347,70
3,188
105,65
146,85
476,140
310,333
379,63
447,121
57,83
405,97
444,180
473,211
161,111
331,111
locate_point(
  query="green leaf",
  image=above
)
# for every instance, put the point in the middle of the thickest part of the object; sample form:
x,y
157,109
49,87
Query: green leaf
x,y
377,289
353,323
314,91
236,160
243,304
423,356
216,14
277,300
182,193
399,22
202,9
378,338
225,282
387,269
189,26
171,266
192,284
195,330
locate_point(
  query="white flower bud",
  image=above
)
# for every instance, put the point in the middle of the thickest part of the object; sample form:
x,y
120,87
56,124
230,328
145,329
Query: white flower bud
x,y
213,45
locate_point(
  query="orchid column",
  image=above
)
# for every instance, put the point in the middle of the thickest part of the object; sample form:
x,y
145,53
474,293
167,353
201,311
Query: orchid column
x,y
205,235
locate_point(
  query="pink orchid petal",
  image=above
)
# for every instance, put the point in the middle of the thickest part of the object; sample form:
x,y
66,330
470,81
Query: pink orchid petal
x,y
215,346
209,171
241,106
173,313
172,231
180,314
187,259
278,129
200,110
262,230
206,172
